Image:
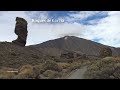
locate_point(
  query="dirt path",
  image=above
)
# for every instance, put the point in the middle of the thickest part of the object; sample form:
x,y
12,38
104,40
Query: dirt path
x,y
78,74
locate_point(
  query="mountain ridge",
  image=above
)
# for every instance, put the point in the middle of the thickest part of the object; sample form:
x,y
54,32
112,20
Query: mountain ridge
x,y
72,43
13,55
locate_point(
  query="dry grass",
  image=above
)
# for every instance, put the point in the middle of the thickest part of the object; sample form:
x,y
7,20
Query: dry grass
x,y
49,69
6,74
25,72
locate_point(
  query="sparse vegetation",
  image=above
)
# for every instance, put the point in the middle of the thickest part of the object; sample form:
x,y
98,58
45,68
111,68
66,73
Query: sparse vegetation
x,y
25,71
74,65
107,68
49,68
32,64
64,65
50,74
6,74
56,58
105,52
52,65
38,70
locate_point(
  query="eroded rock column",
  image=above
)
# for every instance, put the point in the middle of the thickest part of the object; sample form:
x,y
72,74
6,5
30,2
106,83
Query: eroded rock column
x,y
21,31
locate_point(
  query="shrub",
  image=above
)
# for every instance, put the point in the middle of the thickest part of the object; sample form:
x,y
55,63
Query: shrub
x,y
25,72
37,70
64,65
51,65
74,65
104,52
51,74
107,68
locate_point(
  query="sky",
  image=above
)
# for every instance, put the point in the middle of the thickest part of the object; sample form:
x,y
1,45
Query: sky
x,y
99,26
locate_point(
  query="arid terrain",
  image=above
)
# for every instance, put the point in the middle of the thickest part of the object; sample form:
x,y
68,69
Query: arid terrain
x,y
68,57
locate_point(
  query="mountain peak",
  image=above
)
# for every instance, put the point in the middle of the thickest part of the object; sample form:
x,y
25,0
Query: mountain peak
x,y
66,37
72,43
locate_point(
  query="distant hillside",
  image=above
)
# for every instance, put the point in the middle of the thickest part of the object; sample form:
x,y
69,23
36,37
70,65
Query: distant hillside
x,y
71,43
12,55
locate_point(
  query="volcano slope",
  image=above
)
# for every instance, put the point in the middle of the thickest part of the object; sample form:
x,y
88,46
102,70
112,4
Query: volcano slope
x,y
71,43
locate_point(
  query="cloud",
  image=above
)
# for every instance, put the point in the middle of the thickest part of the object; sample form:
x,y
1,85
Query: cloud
x,y
7,24
42,32
83,14
38,33
37,14
107,30
103,27
68,29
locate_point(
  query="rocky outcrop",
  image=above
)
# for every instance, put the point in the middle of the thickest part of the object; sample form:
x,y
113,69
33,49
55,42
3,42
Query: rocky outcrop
x,y
21,31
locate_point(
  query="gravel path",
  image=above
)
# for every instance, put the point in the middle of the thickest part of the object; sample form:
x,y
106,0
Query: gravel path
x,y
77,74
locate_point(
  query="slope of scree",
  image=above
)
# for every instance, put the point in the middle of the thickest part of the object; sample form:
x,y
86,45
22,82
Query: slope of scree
x,y
72,43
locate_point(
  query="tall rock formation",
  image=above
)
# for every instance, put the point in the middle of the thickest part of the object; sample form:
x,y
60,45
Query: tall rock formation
x,y
21,31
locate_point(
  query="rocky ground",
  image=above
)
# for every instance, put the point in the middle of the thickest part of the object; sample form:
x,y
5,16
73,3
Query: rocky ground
x,y
18,62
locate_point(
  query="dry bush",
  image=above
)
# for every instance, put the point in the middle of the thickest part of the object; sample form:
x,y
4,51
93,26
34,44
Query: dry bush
x,y
37,71
51,65
105,52
6,74
74,65
78,63
51,74
64,65
25,72
107,68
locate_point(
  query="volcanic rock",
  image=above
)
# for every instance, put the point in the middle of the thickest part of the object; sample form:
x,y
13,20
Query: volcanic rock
x,y
21,31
